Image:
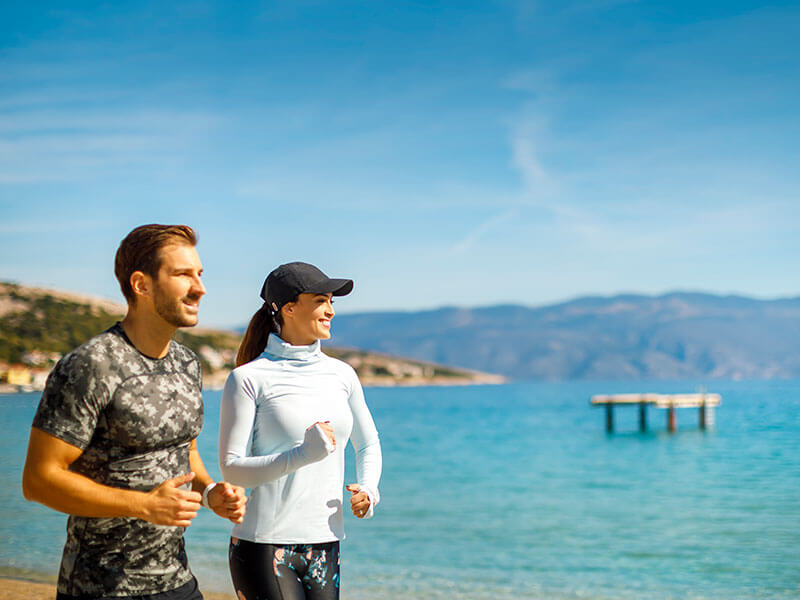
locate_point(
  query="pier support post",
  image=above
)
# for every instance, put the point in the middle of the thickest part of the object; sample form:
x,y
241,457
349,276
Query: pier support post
x,y
609,417
642,416
702,414
672,420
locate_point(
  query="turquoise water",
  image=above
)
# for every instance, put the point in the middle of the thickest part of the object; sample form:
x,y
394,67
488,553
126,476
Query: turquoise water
x,y
516,491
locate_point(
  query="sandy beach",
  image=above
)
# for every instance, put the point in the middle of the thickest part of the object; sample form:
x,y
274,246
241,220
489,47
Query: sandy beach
x,y
17,589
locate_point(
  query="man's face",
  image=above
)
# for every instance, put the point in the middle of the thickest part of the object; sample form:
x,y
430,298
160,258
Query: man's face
x,y
177,289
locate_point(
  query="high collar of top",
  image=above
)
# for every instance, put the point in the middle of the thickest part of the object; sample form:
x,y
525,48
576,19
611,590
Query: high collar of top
x,y
282,349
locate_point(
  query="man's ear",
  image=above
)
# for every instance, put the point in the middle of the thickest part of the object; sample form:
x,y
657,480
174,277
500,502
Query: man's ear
x,y
141,283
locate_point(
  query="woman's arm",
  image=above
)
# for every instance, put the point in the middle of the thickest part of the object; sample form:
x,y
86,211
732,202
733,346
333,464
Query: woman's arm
x,y
366,443
237,414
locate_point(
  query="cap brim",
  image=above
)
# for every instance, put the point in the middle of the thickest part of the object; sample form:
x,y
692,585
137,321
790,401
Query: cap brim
x,y
337,287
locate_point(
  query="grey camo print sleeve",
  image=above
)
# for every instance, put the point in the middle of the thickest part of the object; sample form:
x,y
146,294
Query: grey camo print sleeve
x,y
73,398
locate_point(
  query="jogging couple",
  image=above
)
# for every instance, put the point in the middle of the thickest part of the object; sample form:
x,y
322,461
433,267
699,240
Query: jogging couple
x,y
113,442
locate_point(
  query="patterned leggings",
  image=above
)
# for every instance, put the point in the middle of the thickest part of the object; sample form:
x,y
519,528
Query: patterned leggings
x,y
284,572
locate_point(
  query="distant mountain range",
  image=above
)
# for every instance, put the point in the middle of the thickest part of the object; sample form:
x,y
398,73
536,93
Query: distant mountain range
x,y
673,336
677,335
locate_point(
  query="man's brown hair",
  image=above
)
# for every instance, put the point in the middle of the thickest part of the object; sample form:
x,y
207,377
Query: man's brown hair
x,y
140,251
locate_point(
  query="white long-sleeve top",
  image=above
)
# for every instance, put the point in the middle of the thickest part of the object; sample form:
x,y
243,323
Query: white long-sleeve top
x,y
295,475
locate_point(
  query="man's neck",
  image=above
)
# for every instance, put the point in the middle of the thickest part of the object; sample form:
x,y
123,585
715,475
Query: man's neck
x,y
149,333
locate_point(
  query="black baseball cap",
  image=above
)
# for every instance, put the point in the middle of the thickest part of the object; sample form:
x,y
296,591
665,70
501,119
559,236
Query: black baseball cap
x,y
287,281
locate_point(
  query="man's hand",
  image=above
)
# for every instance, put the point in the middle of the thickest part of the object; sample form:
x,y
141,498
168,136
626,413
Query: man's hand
x,y
228,501
168,504
48,479
359,501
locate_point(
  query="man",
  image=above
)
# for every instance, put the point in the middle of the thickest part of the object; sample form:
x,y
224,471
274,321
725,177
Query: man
x,y
113,440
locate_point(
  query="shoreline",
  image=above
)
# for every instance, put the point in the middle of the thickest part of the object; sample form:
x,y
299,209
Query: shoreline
x,y
367,382
14,588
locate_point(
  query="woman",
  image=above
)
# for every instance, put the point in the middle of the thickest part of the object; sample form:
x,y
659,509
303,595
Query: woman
x,y
287,413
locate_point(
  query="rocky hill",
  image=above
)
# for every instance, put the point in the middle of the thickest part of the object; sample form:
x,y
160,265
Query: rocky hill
x,y
38,326
672,336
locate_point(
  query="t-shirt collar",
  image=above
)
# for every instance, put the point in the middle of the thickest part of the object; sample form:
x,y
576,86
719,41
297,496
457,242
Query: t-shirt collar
x,y
117,329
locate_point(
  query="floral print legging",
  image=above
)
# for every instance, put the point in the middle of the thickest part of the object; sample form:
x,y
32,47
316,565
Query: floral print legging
x,y
284,572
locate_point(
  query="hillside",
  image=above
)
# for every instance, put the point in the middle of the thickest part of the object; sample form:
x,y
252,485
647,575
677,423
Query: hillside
x,y
673,336
38,326
678,335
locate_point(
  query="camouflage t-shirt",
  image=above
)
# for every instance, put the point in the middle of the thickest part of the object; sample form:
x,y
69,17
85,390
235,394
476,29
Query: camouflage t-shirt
x,y
134,417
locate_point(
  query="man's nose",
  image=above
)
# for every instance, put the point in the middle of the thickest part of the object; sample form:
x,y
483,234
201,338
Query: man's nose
x,y
198,287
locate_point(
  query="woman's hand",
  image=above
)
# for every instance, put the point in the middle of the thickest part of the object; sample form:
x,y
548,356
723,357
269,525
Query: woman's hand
x,y
326,428
359,501
318,442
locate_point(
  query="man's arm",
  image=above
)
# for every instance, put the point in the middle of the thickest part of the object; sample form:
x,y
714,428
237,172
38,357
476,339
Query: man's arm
x,y
47,479
227,500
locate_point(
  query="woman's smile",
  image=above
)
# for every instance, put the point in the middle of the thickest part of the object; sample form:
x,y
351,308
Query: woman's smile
x,y
308,319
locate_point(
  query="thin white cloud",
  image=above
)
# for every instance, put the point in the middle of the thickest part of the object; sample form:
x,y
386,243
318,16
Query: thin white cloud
x,y
526,158
38,226
542,187
30,122
474,236
68,145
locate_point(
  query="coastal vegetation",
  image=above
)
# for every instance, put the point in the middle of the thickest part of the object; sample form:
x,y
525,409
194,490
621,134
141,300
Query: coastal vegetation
x,y
38,326
46,324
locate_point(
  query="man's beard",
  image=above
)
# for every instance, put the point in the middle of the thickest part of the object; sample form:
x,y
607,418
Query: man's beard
x,y
170,309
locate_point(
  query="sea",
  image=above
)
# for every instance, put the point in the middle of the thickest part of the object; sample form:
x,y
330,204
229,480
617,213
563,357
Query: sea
x,y
517,491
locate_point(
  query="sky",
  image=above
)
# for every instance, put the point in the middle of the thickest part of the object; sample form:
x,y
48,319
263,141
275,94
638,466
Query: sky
x,y
456,153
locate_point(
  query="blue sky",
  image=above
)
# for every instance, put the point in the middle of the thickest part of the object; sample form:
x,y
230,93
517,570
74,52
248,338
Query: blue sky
x,y
462,153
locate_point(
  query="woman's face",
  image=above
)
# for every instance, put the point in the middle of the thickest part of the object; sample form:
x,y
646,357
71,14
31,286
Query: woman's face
x,y
308,319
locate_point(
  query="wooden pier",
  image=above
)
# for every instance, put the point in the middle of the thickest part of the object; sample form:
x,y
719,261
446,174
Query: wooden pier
x,y
704,402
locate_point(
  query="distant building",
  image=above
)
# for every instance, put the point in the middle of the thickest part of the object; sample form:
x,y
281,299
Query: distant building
x,y
38,358
39,378
19,375
214,358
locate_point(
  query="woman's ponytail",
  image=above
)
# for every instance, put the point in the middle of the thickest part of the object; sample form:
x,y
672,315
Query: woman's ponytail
x,y
255,338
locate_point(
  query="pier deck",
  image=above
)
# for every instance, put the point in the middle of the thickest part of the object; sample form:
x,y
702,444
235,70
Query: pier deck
x,y
704,402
